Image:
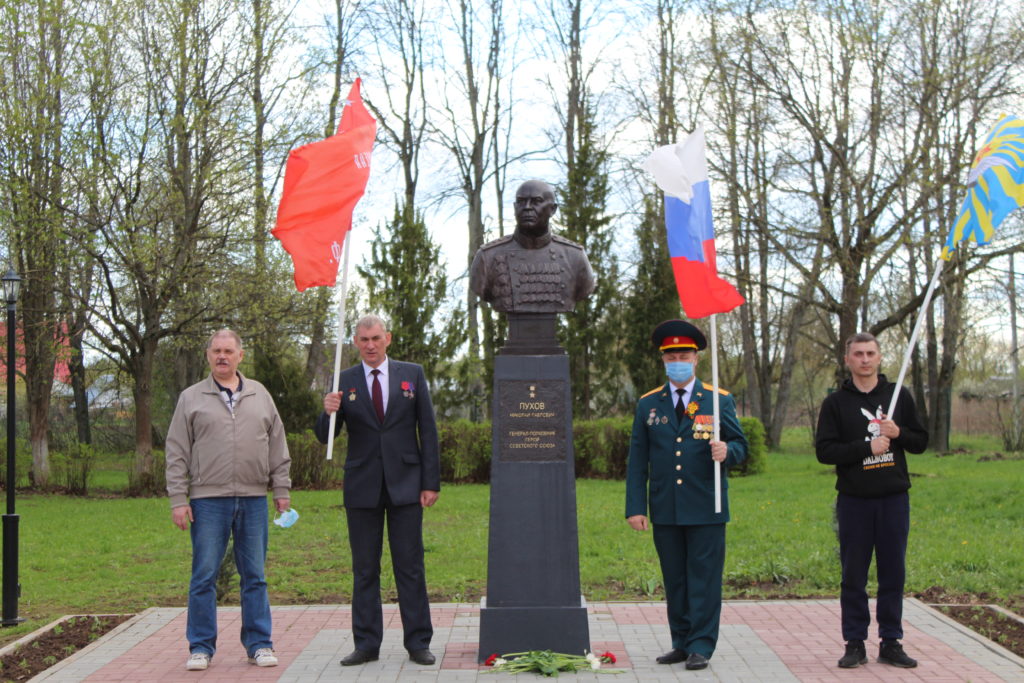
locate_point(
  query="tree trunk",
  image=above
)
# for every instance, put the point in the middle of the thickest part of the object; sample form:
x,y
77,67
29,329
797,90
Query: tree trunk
x,y
142,392
76,366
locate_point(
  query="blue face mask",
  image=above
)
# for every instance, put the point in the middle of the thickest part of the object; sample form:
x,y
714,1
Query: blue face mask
x,y
679,371
287,518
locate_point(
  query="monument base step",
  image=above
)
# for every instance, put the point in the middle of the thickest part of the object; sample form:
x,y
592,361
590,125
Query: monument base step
x,y
519,629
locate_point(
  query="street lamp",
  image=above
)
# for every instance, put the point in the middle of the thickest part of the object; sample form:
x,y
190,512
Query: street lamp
x,y
11,589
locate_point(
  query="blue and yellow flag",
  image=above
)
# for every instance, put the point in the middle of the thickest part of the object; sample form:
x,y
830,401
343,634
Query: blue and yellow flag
x,y
995,186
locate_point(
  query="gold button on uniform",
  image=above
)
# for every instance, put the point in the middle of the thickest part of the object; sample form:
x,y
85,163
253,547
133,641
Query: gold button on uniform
x,y
679,439
679,481
679,467
679,452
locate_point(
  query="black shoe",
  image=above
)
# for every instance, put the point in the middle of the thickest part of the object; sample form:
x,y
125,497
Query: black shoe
x,y
424,656
892,653
854,656
673,656
359,657
696,662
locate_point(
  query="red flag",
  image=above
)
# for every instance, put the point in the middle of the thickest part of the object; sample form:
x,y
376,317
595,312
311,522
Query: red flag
x,y
323,181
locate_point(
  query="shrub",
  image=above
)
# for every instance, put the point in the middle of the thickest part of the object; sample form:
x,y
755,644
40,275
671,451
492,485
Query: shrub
x,y
602,447
310,467
72,465
757,452
465,451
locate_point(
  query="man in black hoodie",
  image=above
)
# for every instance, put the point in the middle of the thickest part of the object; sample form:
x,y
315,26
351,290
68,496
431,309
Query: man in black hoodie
x,y
873,506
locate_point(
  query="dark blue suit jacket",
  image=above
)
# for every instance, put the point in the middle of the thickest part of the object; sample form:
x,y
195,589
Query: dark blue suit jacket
x,y
402,452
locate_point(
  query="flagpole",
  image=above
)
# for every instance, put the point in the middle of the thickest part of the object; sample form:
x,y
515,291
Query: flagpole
x,y
714,403
913,337
339,338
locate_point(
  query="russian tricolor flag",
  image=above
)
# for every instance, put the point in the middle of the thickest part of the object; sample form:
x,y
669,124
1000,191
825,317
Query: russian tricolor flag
x,y
681,172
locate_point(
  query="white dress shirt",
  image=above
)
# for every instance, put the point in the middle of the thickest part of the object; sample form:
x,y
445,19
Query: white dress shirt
x,y
685,396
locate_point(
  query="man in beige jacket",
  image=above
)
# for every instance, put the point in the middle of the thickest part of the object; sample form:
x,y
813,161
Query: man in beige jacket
x,y
225,447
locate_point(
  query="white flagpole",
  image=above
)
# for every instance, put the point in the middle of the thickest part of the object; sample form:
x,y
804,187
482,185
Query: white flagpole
x,y
714,402
340,341
914,335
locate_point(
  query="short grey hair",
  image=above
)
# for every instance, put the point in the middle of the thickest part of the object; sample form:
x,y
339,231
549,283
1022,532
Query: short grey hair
x,y
369,320
861,337
226,332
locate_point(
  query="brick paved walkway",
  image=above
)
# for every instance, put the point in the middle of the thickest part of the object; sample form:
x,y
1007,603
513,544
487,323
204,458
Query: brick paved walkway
x,y
760,642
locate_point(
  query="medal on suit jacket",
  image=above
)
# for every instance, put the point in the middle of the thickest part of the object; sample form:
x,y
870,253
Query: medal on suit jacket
x,y
703,426
352,394
408,390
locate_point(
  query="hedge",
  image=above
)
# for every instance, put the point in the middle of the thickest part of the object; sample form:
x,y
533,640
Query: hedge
x,y
601,449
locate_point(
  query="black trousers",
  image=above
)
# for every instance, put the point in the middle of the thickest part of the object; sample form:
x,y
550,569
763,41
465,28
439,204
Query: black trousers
x,y
405,539
881,526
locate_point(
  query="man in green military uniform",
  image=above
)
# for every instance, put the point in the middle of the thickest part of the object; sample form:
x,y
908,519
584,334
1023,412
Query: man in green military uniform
x,y
672,456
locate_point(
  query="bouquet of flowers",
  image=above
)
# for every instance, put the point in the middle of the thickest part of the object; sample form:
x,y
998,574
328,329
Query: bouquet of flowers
x,y
548,663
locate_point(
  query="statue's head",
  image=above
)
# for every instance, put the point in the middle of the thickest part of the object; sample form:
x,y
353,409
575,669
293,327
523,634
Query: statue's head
x,y
534,206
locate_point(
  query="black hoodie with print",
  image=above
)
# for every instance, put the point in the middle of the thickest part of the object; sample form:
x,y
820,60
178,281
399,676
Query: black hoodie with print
x,y
848,420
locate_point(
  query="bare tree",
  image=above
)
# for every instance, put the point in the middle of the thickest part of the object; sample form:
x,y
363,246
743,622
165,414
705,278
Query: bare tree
x,y
469,109
173,187
35,77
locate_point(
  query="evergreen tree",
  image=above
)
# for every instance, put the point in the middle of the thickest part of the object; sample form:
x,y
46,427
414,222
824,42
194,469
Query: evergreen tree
x,y
651,299
408,286
280,368
585,333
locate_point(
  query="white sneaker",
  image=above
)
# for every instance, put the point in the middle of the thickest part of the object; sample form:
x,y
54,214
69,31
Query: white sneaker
x,y
198,661
263,657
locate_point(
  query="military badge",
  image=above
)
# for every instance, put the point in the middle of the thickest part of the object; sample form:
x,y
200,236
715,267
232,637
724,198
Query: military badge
x,y
703,426
352,394
691,408
653,417
408,389
664,419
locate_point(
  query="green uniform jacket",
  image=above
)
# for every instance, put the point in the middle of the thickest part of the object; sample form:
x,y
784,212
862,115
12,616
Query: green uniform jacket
x,y
678,467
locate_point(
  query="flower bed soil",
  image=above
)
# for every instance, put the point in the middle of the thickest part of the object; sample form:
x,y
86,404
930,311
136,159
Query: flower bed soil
x,y
63,640
994,625
970,610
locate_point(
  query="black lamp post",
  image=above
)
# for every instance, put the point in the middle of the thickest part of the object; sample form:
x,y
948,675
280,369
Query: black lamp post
x,y
11,589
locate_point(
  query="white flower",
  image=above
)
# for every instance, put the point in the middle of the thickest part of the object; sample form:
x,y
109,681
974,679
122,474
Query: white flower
x,y
499,661
595,664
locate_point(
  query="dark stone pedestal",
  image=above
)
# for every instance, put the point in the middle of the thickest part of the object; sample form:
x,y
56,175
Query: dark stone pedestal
x,y
533,599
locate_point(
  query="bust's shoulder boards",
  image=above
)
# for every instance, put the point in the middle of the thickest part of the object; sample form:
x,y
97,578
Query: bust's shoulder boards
x,y
497,243
565,241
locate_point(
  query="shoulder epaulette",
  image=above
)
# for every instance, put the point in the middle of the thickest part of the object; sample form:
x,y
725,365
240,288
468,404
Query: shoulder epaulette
x,y
565,241
711,387
653,391
494,243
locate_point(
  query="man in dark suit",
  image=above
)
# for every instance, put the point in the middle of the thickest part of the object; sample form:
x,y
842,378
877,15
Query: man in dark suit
x,y
392,471
672,456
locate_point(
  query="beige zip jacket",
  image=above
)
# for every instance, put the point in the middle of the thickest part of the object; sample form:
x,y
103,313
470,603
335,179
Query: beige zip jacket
x,y
211,453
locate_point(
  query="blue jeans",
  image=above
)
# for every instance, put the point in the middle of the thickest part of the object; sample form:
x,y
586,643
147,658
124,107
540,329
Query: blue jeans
x,y
246,519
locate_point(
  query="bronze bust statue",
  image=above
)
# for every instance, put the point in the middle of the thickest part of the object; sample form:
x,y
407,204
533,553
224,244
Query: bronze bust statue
x,y
532,270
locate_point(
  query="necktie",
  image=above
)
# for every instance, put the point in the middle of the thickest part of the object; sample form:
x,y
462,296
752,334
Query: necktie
x,y
378,396
680,405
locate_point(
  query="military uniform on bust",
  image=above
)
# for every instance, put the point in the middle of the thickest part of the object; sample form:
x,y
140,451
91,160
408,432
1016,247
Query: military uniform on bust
x,y
546,274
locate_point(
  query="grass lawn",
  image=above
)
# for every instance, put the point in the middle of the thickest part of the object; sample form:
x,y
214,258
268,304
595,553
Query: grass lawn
x,y
102,555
